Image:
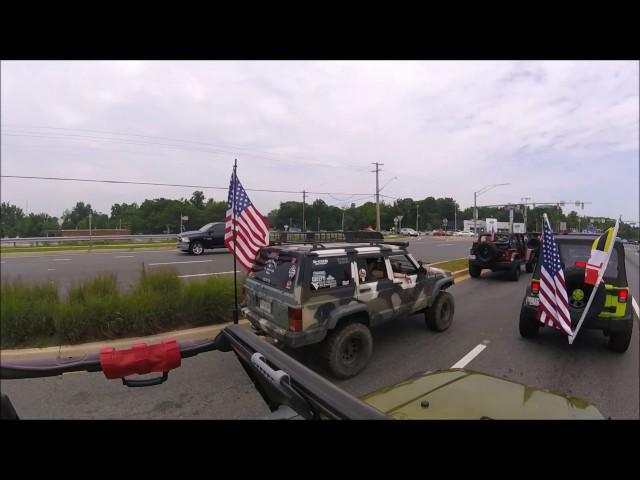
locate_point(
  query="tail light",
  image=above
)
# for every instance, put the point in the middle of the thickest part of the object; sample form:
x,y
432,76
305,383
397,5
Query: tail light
x,y
295,319
581,264
535,286
622,296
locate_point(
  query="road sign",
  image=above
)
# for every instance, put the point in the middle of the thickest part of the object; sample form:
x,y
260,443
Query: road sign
x,y
185,218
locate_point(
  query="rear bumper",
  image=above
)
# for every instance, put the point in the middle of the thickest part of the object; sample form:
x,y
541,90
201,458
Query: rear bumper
x,y
285,337
607,325
493,265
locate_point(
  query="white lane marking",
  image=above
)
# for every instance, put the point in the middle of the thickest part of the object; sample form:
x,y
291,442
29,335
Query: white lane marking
x,y
204,274
61,260
635,306
173,263
469,356
124,256
445,244
53,254
51,269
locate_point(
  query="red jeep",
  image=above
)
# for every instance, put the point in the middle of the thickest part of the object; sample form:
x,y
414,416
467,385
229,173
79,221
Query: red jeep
x,y
501,251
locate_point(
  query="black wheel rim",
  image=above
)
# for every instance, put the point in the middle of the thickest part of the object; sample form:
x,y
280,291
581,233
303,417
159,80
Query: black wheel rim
x,y
350,351
445,311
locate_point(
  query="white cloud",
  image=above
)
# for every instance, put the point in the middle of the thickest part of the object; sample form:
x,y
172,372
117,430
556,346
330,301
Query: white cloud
x,y
554,130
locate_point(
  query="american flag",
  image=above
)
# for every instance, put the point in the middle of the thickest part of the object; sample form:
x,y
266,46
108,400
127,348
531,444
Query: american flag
x,y
252,229
554,304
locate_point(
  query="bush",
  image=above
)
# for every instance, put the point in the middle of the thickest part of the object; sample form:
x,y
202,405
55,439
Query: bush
x,y
27,313
98,310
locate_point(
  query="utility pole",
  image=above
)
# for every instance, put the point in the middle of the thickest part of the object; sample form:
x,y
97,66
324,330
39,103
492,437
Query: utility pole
x,y
318,224
417,215
524,199
455,217
377,171
304,223
343,208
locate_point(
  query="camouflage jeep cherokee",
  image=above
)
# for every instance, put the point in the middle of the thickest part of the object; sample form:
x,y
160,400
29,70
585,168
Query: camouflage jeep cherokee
x,y
334,293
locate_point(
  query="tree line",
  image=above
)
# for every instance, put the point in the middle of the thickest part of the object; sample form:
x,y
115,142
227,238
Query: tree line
x,y
162,215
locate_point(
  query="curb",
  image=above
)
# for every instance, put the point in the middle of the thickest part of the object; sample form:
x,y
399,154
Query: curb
x,y
198,333
460,273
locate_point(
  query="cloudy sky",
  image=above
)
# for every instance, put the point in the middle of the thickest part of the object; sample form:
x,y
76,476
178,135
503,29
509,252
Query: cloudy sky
x,y
554,130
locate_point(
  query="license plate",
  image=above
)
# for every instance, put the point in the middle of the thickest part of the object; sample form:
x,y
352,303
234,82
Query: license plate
x,y
265,305
534,301
472,257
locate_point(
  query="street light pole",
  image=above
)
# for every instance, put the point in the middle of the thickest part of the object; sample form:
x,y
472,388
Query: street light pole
x,y
417,215
480,192
377,171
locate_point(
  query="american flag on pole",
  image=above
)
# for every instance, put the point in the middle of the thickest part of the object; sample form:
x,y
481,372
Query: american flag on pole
x,y
252,229
554,303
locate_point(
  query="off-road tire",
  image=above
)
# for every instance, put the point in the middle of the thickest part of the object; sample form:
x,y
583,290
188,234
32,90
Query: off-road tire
x,y
196,248
347,349
514,273
528,327
440,315
619,341
474,271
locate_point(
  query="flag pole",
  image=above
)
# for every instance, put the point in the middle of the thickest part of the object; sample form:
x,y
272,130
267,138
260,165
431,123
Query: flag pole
x,y
595,287
235,282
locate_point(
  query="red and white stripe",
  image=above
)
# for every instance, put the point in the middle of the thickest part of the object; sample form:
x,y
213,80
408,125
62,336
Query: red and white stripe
x,y
554,303
252,232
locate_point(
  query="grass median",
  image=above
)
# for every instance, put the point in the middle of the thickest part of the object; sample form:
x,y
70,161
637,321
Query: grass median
x,y
452,265
36,315
85,247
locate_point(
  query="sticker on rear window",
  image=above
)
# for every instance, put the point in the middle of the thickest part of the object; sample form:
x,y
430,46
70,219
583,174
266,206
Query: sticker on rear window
x,y
321,261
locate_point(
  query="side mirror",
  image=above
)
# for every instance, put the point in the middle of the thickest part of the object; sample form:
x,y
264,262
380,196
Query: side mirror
x,y
533,244
421,270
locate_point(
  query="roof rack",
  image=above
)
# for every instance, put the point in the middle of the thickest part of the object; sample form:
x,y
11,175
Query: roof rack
x,y
318,239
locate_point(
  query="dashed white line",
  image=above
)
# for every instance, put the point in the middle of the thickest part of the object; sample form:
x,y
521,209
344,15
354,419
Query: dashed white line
x,y
445,244
203,274
173,263
51,269
61,259
469,356
635,307
123,256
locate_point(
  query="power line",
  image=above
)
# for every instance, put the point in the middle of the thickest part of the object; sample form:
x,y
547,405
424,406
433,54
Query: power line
x,y
128,182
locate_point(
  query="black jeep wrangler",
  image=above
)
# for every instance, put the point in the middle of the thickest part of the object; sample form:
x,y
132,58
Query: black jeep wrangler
x,y
501,251
610,310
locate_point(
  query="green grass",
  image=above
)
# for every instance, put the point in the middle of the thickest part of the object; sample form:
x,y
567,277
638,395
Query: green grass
x,y
452,265
94,310
85,247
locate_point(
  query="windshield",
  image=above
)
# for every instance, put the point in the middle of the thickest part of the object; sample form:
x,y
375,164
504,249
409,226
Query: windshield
x,y
572,252
207,227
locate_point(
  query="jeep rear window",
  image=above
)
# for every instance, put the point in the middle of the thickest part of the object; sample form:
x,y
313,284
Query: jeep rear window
x,y
276,268
329,272
572,252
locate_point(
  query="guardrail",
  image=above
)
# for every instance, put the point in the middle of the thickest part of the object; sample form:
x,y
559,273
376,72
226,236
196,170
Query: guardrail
x,y
87,238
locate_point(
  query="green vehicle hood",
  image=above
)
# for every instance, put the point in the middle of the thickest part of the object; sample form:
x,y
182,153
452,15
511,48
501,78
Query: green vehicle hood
x,y
467,395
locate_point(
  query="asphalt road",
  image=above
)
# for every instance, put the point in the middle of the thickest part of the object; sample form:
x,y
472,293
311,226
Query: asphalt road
x,y
214,386
69,268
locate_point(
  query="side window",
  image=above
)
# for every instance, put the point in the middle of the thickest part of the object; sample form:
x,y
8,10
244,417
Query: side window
x,y
401,264
330,272
371,269
218,229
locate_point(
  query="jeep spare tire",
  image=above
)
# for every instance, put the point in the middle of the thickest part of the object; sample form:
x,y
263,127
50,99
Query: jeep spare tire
x,y
486,252
578,294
